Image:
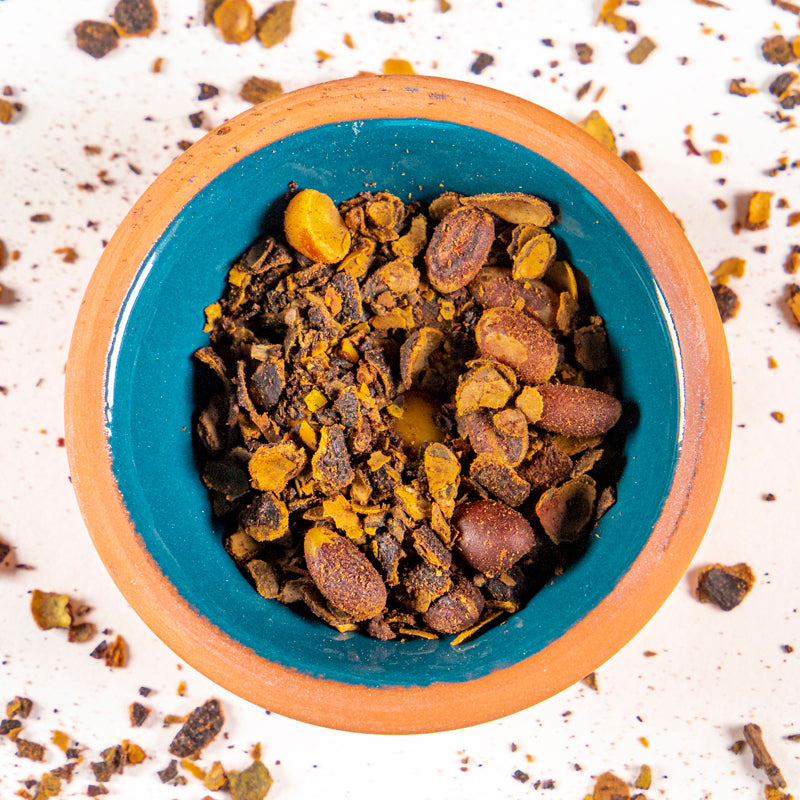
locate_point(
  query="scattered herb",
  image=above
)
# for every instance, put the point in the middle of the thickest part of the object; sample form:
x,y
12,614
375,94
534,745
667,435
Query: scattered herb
x,y
234,20
599,129
275,24
758,211
480,63
251,784
585,52
388,455
97,39
723,586
207,91
202,725
258,90
135,17
641,50
727,301
6,112
50,610
739,86
633,160
761,756
609,787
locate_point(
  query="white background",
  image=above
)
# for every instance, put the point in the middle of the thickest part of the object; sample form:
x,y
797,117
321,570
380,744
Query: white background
x,y
679,710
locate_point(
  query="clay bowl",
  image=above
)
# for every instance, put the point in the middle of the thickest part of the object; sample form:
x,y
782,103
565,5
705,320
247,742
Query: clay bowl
x,y
130,384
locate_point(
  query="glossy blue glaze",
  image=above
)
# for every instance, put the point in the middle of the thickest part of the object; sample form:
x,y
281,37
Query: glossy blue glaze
x,y
151,374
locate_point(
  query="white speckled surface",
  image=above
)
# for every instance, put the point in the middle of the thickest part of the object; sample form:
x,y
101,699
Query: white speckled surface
x,y
679,709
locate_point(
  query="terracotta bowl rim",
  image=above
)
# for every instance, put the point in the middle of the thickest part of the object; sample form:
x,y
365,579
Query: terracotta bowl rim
x,y
611,624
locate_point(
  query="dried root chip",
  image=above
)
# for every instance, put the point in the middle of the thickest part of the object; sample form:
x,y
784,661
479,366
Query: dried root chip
x,y
458,248
645,777
443,474
727,301
251,784
730,267
758,211
494,288
343,574
314,227
30,750
19,707
515,339
50,610
417,424
138,714
533,250
497,477
215,778
274,465
135,17
116,654
331,465
778,50
514,207
565,511
485,385
609,787
202,725
492,536
97,39
259,90
275,24
641,50
609,16
723,586
397,66
762,759
740,87
416,351
234,20
577,411
6,112
599,129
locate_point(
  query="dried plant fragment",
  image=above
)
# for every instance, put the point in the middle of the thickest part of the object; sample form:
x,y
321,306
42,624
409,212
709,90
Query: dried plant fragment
x,y
758,211
641,50
97,39
778,50
202,725
215,778
609,787
725,586
761,756
19,707
633,160
138,714
315,228
6,112
565,511
30,750
727,301
234,20
457,610
584,52
730,267
116,654
739,86
481,62
275,24
252,784
50,610
135,17
599,129
259,90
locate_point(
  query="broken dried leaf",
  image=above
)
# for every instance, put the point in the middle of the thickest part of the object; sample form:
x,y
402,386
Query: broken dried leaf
x,y
599,129
50,610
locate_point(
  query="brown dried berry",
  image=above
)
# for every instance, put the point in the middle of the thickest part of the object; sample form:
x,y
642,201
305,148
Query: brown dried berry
x,y
492,536
519,341
458,248
343,574
577,411
456,611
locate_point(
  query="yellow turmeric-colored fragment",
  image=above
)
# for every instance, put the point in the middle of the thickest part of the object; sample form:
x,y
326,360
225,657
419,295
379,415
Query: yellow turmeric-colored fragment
x,y
730,267
599,129
274,465
397,66
315,400
758,211
341,512
314,227
308,436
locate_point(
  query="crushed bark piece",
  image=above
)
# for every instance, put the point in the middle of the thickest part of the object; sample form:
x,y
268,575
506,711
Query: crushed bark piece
x,y
725,586
585,52
481,62
30,750
275,24
116,654
609,787
138,714
740,87
252,784
641,50
258,90
761,757
97,39
135,17
730,267
6,112
633,160
778,50
202,725
590,680
727,300
19,707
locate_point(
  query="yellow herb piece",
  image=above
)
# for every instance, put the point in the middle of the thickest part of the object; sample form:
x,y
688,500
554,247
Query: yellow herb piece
x,y
215,778
274,465
322,55
275,24
534,257
193,769
61,740
315,400
529,402
641,50
50,610
412,243
560,277
778,416
414,504
49,786
307,435
133,753
314,227
234,19
645,777
348,41
715,156
599,129
730,267
340,511
758,211
213,313
397,66
443,473
377,460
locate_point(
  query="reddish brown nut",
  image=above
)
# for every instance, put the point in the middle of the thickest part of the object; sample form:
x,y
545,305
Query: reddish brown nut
x,y
577,411
514,338
343,574
492,536
495,288
458,248
456,611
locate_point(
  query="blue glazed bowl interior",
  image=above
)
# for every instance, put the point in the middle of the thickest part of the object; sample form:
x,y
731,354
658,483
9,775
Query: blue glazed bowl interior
x,y
150,388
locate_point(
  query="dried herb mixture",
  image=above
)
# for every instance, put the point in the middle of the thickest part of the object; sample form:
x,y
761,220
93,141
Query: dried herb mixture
x,y
411,401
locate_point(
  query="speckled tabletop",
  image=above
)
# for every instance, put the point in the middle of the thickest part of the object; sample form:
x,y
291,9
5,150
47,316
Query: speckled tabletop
x,y
88,135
